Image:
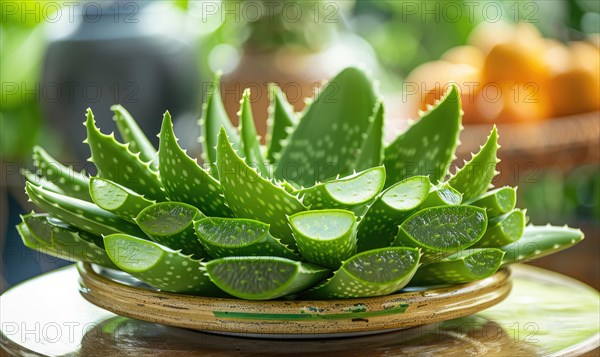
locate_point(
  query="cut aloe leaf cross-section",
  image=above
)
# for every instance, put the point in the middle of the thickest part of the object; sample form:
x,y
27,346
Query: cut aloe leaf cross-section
x,y
40,233
69,181
184,180
442,195
172,224
80,214
159,266
225,237
346,192
281,122
134,136
539,241
372,273
462,267
497,202
263,278
117,199
379,225
503,230
249,195
325,237
442,231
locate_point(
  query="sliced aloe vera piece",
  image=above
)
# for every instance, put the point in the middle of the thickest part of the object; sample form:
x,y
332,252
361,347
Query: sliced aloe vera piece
x,y
463,267
325,237
263,278
503,230
40,181
281,122
214,117
372,152
250,142
184,180
442,195
379,225
40,233
80,214
346,192
134,136
172,224
159,266
117,199
442,231
251,196
71,182
540,241
331,132
117,163
372,273
225,237
427,147
476,176
497,202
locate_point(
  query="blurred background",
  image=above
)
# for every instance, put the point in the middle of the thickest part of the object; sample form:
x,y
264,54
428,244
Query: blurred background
x,y
532,67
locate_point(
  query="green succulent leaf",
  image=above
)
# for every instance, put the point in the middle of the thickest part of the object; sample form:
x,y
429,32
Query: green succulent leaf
x,y
172,224
282,121
250,142
540,241
427,147
347,192
325,237
117,163
251,196
442,195
442,231
40,181
371,273
372,152
379,226
80,214
331,133
71,182
134,136
462,267
159,266
497,202
503,230
184,180
263,278
117,199
476,176
225,237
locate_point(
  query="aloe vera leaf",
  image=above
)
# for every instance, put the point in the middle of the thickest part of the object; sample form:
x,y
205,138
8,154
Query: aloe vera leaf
x,y
462,267
427,147
325,237
159,266
497,202
117,199
225,237
379,225
80,214
250,143
251,196
442,195
540,241
60,241
40,181
282,121
214,117
372,152
346,192
263,278
372,273
134,136
117,163
330,131
442,231
476,176
172,224
184,180
71,182
503,230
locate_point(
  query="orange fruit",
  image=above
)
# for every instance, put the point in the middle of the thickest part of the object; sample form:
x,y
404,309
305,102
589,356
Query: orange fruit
x,y
470,55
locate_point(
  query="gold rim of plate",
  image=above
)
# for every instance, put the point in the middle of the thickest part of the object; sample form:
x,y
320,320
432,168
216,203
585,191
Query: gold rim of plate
x,y
294,318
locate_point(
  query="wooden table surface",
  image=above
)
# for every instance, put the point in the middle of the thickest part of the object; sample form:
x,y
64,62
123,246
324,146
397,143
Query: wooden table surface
x,y
546,314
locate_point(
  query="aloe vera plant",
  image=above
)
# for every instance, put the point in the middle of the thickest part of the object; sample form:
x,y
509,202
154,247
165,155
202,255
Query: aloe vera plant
x,y
323,210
